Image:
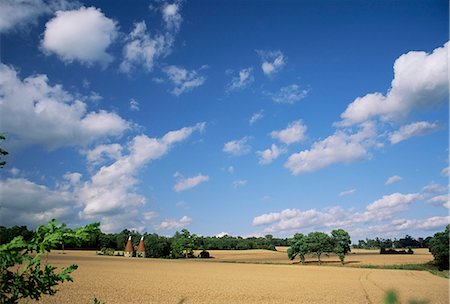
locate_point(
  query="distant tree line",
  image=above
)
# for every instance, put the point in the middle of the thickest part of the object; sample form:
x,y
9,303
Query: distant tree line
x,y
157,246
406,242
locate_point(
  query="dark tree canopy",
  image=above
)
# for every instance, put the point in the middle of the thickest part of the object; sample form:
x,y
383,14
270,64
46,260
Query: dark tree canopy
x,y
439,247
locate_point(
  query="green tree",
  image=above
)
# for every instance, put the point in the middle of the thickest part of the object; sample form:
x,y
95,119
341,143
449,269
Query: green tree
x,y
439,247
319,243
341,238
341,243
21,274
183,244
299,247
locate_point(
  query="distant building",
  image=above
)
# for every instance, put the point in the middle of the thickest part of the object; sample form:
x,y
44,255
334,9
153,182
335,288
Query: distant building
x,y
128,252
140,250
130,249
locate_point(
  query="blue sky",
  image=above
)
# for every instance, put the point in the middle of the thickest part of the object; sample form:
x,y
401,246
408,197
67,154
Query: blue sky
x,y
238,117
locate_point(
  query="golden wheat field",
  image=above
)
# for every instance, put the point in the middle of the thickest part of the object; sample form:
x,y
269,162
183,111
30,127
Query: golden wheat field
x,y
357,257
132,280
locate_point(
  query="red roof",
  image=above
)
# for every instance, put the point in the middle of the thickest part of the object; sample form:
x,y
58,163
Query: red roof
x,y
129,246
141,246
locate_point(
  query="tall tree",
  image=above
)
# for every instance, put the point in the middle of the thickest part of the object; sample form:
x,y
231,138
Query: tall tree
x,y
319,243
341,242
299,247
439,247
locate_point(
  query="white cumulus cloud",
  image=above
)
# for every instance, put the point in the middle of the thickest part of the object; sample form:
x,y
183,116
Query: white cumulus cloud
x,y
111,189
142,50
293,133
420,81
169,224
237,147
269,155
80,35
340,147
17,14
414,129
34,112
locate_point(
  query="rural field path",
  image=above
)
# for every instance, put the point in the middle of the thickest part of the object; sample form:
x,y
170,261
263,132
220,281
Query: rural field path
x,y
131,280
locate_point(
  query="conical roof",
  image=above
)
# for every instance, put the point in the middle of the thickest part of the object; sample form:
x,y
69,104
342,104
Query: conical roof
x,y
141,246
129,245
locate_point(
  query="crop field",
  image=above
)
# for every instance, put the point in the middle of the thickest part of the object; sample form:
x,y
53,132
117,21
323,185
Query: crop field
x,y
132,280
357,257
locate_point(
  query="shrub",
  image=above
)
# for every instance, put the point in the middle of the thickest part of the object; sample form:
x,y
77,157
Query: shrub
x,y
204,254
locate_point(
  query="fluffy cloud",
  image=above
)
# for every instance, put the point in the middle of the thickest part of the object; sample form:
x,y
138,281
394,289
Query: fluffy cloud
x,y
16,14
289,94
171,16
347,192
169,224
269,155
337,148
445,171
272,61
420,80
379,211
443,200
392,203
393,179
27,203
83,34
111,190
255,117
183,79
237,147
34,112
142,50
190,182
414,129
295,132
103,153
241,81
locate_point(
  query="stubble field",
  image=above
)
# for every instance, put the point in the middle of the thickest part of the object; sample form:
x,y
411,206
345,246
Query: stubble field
x,y
132,280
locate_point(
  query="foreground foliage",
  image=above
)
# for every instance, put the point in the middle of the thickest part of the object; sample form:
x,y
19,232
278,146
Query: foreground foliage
x,y
21,273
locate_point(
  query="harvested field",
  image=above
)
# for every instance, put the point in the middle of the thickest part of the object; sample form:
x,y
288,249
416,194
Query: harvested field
x,y
373,257
356,258
131,280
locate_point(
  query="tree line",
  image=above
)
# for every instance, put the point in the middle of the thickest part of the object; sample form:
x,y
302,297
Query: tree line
x,y
406,242
156,246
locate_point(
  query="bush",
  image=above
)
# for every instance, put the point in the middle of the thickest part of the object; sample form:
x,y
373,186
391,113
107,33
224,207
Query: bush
x,y
106,251
204,255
